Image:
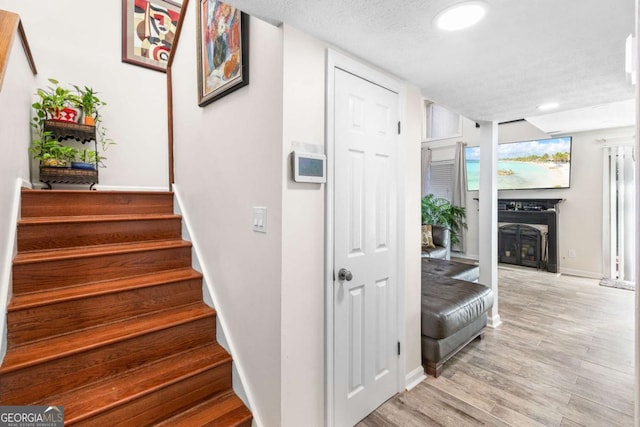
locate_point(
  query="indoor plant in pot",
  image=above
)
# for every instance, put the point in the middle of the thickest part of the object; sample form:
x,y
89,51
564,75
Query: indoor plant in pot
x,y
56,103
51,153
88,100
87,159
438,211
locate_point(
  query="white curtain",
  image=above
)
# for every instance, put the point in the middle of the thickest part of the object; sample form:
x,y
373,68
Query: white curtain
x,y
426,168
459,193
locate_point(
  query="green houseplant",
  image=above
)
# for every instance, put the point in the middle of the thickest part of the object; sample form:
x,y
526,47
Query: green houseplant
x,y
88,100
54,100
90,103
52,154
87,159
438,211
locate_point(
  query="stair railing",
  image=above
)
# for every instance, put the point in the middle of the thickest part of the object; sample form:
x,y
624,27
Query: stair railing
x,y
174,48
10,25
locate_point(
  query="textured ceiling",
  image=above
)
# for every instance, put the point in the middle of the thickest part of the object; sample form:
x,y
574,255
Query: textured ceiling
x,y
523,54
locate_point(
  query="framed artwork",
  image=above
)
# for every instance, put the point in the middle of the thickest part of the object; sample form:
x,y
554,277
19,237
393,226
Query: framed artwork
x,y
148,30
223,50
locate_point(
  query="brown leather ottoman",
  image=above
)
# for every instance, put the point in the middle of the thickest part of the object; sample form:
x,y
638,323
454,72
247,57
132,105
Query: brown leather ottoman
x,y
453,314
453,269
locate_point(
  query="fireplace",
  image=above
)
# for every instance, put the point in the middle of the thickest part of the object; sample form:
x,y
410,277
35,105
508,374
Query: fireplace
x,y
528,230
522,244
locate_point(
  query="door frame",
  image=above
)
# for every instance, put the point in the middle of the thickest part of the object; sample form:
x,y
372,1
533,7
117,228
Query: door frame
x,y
336,60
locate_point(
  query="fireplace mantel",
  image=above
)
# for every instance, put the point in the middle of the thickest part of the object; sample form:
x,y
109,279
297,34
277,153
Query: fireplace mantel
x,y
535,211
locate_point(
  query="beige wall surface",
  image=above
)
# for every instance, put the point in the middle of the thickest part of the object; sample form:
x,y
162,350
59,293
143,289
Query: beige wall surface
x,y
228,160
80,43
15,113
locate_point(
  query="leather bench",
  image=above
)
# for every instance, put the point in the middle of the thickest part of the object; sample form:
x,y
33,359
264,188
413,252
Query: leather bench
x,y
453,269
454,313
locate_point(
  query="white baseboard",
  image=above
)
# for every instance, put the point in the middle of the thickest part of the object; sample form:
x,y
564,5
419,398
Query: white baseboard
x,y
414,378
493,321
465,256
581,273
6,263
128,188
42,186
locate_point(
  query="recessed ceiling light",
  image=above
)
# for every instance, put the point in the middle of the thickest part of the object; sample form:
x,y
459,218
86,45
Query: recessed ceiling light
x,y
461,15
548,106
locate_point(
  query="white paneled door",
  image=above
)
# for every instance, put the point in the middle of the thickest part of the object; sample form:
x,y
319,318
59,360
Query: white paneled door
x,y
365,248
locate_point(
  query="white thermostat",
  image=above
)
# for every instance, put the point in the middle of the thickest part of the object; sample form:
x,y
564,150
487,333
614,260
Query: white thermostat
x,y
309,167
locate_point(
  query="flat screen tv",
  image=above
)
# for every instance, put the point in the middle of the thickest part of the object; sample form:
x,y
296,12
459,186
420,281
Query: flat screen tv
x,y
526,165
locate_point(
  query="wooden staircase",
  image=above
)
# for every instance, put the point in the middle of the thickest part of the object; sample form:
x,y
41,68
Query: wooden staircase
x,y
107,317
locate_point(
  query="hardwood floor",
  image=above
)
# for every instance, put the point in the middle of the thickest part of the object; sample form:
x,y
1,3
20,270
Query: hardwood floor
x,y
562,357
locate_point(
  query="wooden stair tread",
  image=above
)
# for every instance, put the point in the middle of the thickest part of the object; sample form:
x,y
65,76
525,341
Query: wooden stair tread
x,y
96,251
37,299
85,402
64,345
94,218
222,410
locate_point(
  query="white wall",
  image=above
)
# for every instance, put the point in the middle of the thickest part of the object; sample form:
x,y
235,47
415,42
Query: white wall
x,y
227,160
413,221
303,251
80,43
303,305
15,107
580,214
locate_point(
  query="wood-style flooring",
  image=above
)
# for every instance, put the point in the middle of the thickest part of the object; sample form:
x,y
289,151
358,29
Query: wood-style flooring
x,y
562,357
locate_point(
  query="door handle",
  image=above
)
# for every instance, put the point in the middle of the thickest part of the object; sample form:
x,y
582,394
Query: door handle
x,y
344,274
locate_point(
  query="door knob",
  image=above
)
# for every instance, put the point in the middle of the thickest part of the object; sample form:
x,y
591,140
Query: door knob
x,y
344,274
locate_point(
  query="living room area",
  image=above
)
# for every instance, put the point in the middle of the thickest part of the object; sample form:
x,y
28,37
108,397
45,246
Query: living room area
x,y
563,356
563,353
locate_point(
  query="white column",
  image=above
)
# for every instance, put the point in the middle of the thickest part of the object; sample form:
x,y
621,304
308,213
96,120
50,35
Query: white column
x,y
637,236
488,215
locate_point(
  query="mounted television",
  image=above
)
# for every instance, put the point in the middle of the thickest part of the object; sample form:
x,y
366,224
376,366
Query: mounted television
x,y
526,165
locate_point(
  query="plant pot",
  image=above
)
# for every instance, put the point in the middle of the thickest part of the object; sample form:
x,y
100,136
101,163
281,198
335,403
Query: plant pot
x,y
66,114
55,163
90,121
83,165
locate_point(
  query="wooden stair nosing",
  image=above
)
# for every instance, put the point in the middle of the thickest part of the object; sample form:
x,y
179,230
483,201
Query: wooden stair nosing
x,y
144,380
39,352
163,403
41,235
35,272
71,293
84,368
59,318
225,409
77,219
97,251
36,203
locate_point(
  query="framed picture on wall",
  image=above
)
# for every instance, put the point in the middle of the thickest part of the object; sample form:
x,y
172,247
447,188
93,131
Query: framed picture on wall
x,y
148,31
223,50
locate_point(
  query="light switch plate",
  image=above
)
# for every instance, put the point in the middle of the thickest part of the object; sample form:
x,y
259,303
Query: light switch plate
x,y
260,219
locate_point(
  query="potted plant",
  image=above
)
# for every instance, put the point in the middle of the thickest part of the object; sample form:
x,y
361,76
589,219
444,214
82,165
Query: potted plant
x,y
87,159
51,153
88,100
438,211
56,103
